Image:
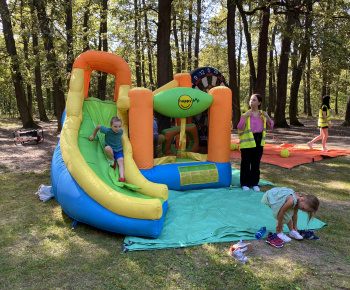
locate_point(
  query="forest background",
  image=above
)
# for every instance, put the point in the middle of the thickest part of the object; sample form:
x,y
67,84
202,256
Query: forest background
x,y
292,52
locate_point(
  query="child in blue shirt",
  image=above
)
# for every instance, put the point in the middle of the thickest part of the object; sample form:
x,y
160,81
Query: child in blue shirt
x,y
113,142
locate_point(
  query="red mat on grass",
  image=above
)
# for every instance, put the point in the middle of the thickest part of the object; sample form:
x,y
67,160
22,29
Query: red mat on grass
x,y
298,154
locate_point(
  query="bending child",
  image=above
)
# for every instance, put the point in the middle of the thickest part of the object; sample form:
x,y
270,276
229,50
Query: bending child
x,y
285,204
113,142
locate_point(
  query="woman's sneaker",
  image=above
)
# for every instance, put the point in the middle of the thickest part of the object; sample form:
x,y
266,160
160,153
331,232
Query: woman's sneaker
x,y
295,235
245,188
274,240
284,238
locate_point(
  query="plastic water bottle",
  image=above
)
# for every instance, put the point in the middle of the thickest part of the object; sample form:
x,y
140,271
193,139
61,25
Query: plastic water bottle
x,y
260,233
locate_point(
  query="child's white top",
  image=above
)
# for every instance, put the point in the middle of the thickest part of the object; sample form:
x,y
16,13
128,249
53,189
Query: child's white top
x,y
275,198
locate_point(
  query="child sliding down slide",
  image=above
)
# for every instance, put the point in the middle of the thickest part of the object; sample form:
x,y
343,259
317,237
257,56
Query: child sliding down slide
x,y
113,143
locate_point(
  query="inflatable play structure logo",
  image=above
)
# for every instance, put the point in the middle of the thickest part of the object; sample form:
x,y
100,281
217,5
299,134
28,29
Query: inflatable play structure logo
x,y
185,102
82,181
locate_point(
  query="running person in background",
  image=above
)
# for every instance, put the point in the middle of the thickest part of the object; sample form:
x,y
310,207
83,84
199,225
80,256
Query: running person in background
x,y
252,132
113,142
324,122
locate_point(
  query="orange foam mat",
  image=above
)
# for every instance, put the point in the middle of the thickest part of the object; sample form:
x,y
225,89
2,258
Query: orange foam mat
x,y
298,154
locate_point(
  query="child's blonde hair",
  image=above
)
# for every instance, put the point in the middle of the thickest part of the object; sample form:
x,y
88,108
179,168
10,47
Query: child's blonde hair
x,y
115,119
312,203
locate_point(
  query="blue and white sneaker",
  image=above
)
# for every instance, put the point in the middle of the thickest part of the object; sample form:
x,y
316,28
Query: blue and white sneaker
x,y
309,235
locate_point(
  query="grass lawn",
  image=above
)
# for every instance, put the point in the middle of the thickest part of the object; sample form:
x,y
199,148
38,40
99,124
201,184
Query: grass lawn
x,y
40,250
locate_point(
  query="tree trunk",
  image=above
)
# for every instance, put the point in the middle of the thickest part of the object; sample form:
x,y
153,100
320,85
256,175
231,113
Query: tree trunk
x,y
294,90
176,41
232,66
102,80
49,99
299,67
304,94
25,39
347,114
29,86
198,30
37,69
272,83
262,55
336,99
239,60
182,39
249,44
164,73
137,45
143,73
308,85
189,46
282,75
69,40
26,117
45,27
149,51
86,46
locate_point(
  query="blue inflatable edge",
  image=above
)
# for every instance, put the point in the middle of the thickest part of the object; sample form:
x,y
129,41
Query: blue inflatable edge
x,y
82,208
169,174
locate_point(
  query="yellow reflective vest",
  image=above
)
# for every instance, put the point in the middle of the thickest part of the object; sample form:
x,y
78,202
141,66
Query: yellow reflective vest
x,y
246,137
321,121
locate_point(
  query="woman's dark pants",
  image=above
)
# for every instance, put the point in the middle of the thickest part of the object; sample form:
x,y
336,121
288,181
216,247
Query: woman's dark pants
x,y
250,163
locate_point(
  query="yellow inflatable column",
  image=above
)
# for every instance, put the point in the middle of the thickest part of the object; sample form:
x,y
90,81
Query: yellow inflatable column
x,y
219,136
184,80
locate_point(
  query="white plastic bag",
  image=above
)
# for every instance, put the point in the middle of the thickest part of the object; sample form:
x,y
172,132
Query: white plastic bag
x,y
45,192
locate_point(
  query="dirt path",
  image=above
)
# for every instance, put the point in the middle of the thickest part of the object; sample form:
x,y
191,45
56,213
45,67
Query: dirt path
x,y
37,157
27,157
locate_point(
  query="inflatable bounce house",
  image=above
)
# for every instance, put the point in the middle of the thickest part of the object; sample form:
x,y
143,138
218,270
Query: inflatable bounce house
x,y
86,186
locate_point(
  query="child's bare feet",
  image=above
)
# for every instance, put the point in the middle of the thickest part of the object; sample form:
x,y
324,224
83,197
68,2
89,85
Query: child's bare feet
x,y
309,144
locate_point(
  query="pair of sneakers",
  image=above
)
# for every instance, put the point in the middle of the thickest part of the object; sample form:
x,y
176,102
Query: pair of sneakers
x,y
277,241
255,188
293,234
237,251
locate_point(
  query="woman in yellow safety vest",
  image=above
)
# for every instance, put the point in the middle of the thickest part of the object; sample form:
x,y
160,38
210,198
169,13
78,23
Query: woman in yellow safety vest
x,y
252,132
324,122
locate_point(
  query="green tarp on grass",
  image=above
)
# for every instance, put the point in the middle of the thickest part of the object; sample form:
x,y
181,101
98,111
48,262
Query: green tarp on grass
x,y
198,217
